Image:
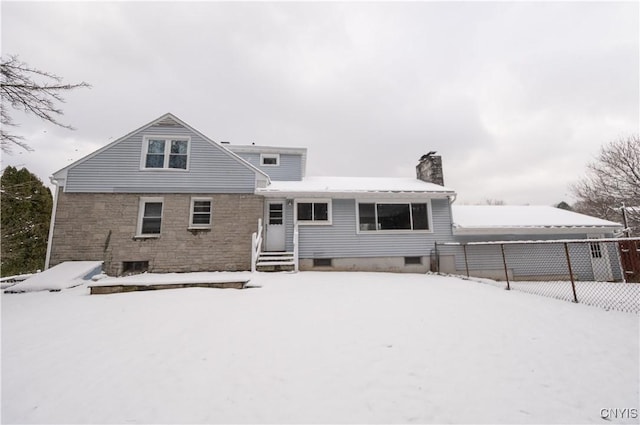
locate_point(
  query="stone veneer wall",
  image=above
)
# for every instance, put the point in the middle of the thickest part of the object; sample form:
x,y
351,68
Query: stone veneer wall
x,y
102,227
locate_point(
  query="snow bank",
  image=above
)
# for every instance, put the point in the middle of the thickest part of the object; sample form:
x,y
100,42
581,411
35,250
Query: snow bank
x,y
63,276
8,281
315,347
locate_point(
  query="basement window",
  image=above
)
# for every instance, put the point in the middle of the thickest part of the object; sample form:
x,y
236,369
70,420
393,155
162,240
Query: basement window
x,y
134,267
409,261
322,262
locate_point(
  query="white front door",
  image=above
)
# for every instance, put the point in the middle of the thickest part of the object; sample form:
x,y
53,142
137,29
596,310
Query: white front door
x,y
274,237
600,261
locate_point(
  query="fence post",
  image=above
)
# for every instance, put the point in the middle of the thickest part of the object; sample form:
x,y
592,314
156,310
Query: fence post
x,y
466,263
573,284
504,262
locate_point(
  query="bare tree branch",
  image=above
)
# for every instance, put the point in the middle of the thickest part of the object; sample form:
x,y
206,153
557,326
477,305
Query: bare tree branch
x,y
611,180
21,90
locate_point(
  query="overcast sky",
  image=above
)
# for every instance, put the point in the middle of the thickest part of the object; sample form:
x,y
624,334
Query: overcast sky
x,y
516,97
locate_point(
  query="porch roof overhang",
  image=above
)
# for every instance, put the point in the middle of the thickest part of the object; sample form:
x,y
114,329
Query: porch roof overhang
x,y
355,187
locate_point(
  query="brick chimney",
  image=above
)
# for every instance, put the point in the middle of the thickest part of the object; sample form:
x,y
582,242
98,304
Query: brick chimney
x,y
429,169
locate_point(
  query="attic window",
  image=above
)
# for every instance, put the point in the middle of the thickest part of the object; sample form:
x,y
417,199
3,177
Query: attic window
x,y
270,160
161,152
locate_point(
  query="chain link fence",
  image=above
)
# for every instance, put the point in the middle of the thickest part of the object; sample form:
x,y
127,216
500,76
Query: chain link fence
x,y
599,272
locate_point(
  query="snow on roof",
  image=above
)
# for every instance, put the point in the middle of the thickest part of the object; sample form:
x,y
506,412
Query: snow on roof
x,y
500,219
350,186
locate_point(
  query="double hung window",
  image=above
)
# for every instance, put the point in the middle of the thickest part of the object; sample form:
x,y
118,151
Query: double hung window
x,y
201,213
150,217
393,216
314,212
166,153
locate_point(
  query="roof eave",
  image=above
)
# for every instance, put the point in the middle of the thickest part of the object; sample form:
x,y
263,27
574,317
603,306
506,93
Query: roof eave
x,y
353,194
533,230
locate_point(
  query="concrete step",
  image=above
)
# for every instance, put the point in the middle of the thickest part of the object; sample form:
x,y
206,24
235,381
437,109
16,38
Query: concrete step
x,y
272,268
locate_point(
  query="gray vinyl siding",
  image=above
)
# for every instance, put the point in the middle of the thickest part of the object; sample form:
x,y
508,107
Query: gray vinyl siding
x,y
340,239
530,260
290,168
117,169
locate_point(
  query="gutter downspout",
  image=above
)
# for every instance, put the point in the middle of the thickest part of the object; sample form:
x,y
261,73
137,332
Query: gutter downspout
x,y
53,221
452,199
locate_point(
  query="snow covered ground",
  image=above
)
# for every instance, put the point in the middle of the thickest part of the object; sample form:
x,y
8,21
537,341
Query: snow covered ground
x,y
316,347
620,296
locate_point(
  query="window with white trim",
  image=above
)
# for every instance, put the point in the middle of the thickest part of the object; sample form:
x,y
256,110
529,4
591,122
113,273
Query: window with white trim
x,y
313,212
161,152
150,217
201,213
270,159
393,216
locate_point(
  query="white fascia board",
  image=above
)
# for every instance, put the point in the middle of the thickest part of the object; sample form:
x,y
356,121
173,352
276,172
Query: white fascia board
x,y
265,149
354,194
549,230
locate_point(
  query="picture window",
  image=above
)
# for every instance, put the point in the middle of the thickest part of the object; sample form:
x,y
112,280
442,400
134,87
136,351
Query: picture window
x,y
393,216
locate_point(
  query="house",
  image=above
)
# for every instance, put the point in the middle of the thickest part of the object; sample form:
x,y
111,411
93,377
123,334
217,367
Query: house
x,y
165,197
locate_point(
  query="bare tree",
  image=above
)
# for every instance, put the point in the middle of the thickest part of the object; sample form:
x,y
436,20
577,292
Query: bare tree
x,y
612,180
30,90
